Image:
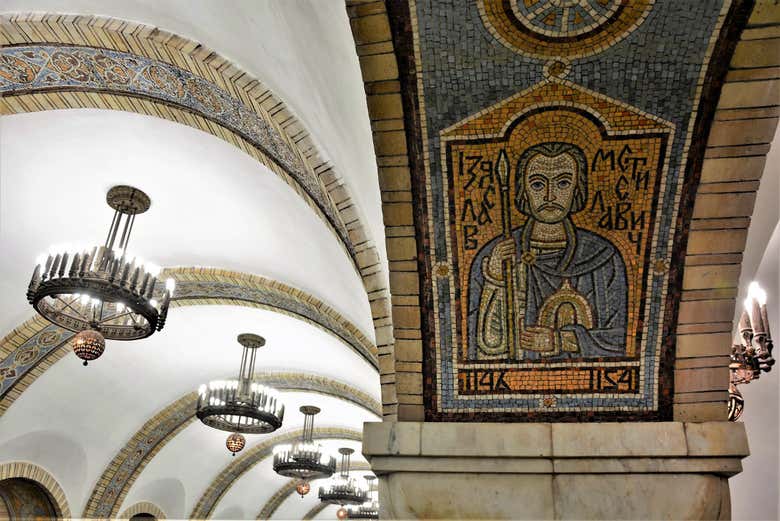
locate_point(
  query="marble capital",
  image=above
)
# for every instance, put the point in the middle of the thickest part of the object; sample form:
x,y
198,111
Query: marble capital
x,y
555,470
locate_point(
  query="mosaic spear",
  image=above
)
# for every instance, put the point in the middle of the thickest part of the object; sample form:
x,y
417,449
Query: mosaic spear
x,y
502,172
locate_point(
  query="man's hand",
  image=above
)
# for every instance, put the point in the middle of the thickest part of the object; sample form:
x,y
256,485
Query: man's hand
x,y
537,338
504,250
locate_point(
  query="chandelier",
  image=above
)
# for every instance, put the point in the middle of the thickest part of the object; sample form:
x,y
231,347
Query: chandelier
x,y
241,406
369,509
100,292
344,490
753,354
304,459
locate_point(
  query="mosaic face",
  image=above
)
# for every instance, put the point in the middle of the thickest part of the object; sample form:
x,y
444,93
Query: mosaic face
x,y
550,183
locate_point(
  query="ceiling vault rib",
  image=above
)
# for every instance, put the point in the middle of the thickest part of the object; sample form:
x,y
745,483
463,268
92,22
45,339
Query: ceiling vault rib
x,y
123,470
30,349
230,474
288,489
194,86
316,509
23,469
143,507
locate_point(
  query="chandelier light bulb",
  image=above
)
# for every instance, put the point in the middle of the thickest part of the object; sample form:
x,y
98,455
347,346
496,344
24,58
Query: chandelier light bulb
x,y
235,443
342,513
170,284
89,345
303,488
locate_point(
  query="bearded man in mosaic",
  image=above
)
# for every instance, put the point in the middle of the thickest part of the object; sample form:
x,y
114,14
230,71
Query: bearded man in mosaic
x,y
567,292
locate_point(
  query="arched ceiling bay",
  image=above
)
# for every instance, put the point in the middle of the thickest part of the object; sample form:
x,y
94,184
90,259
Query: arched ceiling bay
x,y
91,413
302,50
252,490
212,205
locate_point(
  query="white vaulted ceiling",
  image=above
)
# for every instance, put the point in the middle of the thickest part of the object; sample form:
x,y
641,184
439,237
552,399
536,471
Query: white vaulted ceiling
x,y
212,206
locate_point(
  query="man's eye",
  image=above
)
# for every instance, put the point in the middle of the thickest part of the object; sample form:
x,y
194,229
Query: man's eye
x,y
537,185
564,183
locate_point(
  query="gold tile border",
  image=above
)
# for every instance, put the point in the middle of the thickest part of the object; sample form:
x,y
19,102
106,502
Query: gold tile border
x,y
29,329
316,509
26,470
142,507
158,44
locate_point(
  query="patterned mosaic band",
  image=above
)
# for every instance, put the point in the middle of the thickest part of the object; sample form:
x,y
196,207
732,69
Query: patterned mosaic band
x,y
25,349
236,469
311,514
288,489
31,68
127,465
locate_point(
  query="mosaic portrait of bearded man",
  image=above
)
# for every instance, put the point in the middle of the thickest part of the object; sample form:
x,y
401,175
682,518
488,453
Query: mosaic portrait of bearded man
x,y
567,292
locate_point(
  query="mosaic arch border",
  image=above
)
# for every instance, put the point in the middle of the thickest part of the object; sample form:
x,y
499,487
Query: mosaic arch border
x,y
207,65
311,514
142,507
727,166
234,470
288,489
30,349
121,473
23,469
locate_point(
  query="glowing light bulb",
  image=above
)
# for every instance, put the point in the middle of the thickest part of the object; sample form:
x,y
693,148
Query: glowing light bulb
x,y
153,269
84,299
120,307
153,302
170,285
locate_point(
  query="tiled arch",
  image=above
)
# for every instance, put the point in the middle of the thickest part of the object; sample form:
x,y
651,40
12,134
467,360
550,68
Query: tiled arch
x,y
23,469
30,349
311,514
261,106
737,114
123,470
288,489
142,507
220,485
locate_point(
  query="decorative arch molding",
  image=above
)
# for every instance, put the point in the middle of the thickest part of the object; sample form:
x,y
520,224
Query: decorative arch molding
x,y
252,118
121,473
142,507
288,489
316,509
30,349
23,469
233,471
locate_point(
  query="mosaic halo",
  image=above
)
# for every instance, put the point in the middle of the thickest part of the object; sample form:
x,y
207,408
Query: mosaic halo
x,y
562,28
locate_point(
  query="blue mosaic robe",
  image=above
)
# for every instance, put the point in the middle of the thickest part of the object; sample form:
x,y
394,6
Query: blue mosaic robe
x,y
595,270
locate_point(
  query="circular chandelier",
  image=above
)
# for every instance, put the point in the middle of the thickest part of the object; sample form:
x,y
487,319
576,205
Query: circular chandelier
x,y
101,292
369,509
344,490
241,406
304,459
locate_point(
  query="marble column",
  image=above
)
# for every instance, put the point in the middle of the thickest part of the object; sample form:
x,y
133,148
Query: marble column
x,y
661,470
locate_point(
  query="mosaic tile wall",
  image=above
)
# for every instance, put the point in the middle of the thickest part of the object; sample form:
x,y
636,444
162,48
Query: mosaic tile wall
x,y
554,137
